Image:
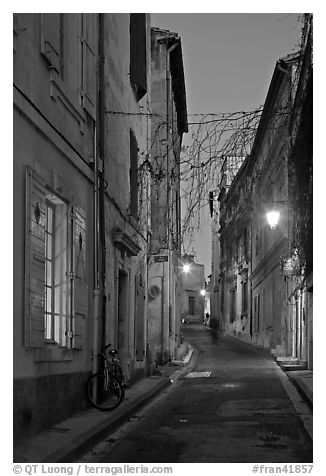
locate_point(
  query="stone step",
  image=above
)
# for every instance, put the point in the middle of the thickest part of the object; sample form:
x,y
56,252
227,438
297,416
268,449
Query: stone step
x,y
287,367
286,358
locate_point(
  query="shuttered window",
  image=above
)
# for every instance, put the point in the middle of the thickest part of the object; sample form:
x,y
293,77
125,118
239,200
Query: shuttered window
x,y
55,270
35,262
56,279
138,66
52,39
191,305
244,299
232,304
256,313
140,319
133,176
79,278
89,41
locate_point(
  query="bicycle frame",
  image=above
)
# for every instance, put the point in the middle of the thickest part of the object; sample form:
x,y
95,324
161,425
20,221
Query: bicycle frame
x,y
108,382
111,366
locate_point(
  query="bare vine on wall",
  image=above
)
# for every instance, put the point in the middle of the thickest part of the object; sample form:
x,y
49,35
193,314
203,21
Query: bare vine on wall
x,y
213,137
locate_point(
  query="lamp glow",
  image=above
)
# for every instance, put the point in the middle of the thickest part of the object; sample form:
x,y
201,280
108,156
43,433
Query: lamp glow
x,y
202,292
186,268
272,218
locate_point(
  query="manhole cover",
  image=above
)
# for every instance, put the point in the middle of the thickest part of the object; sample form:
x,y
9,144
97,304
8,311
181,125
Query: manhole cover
x,y
198,374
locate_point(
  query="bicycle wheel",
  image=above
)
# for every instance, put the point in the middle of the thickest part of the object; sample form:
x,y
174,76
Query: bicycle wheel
x,y
104,394
120,377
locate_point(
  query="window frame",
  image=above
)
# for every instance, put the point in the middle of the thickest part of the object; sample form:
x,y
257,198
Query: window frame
x,y
53,201
74,272
49,336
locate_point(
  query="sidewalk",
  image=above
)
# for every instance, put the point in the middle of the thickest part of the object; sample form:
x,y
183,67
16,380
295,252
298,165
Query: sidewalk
x,y
303,380
65,441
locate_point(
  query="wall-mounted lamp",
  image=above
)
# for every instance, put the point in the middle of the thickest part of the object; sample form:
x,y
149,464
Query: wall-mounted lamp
x,y
202,292
186,268
273,215
272,218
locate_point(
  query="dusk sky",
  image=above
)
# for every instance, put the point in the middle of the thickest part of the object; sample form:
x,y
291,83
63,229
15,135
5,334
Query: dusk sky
x,y
229,59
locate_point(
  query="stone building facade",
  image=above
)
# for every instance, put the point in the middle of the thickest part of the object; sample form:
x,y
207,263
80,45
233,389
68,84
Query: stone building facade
x,y
228,171
301,203
169,123
263,289
82,209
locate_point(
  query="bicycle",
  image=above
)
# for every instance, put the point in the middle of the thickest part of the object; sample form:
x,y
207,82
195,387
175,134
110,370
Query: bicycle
x,y
105,390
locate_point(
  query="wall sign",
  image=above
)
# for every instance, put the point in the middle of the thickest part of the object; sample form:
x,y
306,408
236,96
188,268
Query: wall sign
x,y
161,258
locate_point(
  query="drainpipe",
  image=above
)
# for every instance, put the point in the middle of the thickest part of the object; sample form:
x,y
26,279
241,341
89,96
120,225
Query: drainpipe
x,y
162,320
96,293
101,139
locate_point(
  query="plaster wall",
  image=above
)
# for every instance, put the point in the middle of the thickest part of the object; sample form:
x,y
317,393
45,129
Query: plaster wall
x,y
54,135
158,311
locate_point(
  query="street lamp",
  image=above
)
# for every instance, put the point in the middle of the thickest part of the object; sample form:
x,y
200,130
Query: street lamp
x,y
273,215
272,218
186,268
202,292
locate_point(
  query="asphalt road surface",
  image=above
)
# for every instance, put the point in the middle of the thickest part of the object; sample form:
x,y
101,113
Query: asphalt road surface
x,y
233,408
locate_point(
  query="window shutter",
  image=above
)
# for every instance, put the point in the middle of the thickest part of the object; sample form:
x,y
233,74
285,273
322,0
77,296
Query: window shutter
x,y
138,48
133,176
34,261
79,281
89,63
140,320
51,41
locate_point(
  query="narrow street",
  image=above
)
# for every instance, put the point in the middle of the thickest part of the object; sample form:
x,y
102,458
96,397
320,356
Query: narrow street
x,y
234,409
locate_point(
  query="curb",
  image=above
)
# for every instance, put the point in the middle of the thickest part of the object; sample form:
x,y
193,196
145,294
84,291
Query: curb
x,y
191,359
299,385
185,361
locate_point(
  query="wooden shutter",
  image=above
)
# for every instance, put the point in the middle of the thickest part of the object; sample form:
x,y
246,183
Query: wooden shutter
x,y
51,25
133,175
138,48
34,261
89,63
79,278
140,319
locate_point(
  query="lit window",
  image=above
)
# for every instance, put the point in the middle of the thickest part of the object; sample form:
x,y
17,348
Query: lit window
x,y
55,315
